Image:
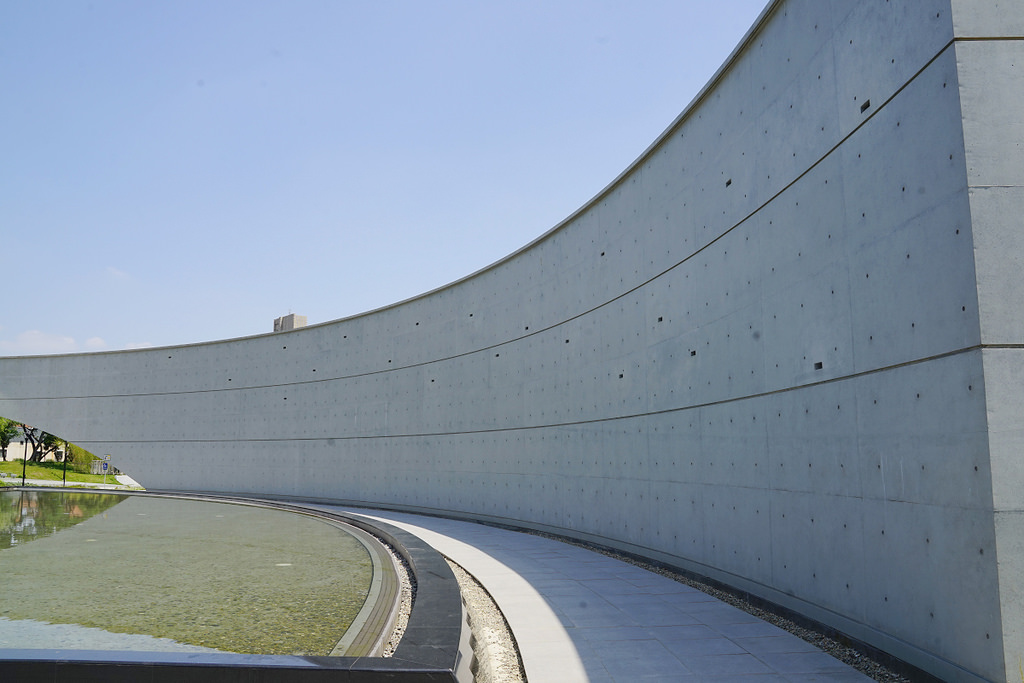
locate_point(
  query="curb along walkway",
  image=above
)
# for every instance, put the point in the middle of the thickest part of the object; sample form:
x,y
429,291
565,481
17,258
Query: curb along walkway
x,y
579,616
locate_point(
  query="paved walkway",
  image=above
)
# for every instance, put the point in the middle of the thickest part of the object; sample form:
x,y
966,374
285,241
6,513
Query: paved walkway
x,y
115,483
579,616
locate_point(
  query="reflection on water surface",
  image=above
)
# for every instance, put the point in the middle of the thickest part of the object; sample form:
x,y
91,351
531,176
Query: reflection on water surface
x,y
28,515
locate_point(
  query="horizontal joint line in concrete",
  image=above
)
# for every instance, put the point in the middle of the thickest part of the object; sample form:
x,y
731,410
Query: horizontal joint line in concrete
x,y
612,418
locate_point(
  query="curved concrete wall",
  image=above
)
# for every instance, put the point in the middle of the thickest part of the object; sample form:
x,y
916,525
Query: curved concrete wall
x,y
782,350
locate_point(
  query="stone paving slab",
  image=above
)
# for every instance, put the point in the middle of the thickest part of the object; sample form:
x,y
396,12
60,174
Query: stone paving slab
x,y
579,616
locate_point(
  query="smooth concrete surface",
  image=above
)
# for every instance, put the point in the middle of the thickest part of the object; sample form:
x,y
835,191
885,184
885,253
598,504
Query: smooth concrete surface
x,y
578,616
783,349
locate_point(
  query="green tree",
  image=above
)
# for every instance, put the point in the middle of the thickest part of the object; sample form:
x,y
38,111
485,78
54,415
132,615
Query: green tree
x,y
8,430
79,458
43,443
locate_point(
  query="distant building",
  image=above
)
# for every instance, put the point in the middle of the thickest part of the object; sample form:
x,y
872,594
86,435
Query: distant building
x,y
289,322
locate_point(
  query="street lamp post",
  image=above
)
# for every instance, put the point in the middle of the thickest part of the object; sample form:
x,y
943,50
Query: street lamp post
x,y
24,461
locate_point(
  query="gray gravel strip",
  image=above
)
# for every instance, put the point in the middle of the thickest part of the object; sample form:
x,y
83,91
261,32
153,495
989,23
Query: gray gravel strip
x,y
495,656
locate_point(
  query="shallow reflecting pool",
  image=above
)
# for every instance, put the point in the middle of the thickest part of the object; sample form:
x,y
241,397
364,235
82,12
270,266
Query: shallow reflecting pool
x,y
78,569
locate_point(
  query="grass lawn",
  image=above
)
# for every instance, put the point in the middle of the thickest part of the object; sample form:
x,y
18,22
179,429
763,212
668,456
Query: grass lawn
x,y
50,470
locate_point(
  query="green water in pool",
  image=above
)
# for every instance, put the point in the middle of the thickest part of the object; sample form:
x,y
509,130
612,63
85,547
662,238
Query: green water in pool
x,y
231,577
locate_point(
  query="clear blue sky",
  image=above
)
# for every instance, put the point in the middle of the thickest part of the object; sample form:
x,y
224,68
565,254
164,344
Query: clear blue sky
x,y
177,172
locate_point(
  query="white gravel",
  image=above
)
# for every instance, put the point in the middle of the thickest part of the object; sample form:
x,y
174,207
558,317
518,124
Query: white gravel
x,y
495,656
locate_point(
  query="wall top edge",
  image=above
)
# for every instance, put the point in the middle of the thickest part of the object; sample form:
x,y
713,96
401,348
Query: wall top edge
x,y
726,66
963,32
